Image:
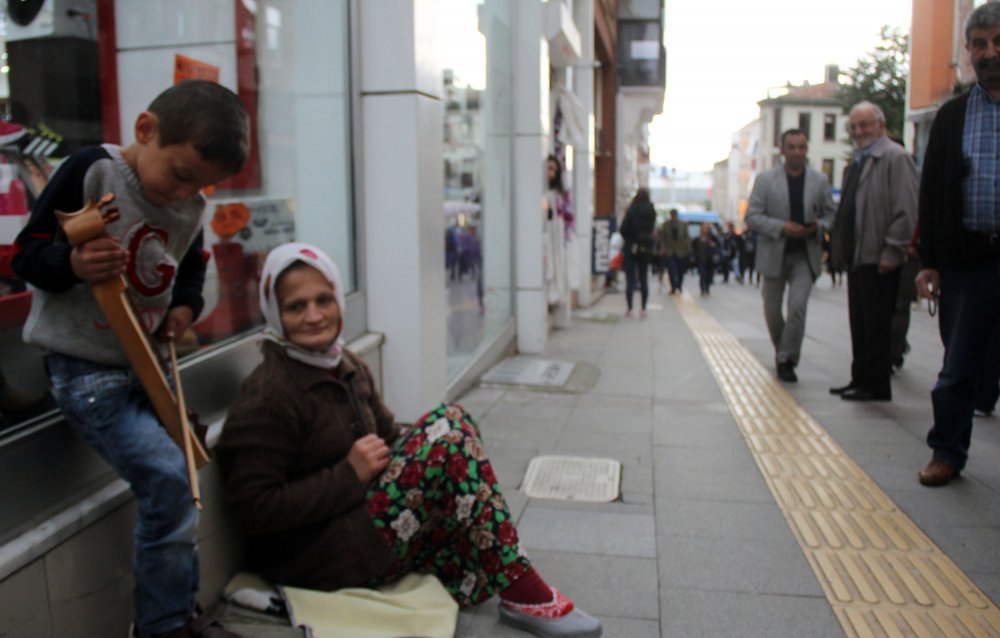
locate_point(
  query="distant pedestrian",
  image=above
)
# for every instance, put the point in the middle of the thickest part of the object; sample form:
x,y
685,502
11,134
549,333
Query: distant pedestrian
x,y
706,251
790,207
675,250
960,249
748,257
637,231
873,228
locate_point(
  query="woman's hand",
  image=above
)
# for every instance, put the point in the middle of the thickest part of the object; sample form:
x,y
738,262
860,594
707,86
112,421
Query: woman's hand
x,y
368,456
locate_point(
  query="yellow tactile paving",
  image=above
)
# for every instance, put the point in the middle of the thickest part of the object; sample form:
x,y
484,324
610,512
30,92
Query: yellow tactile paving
x,y
881,574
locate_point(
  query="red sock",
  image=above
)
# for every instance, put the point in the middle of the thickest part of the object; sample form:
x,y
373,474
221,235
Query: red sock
x,y
529,589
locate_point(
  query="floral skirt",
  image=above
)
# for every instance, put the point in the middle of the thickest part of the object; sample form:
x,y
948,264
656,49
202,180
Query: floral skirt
x,y
439,506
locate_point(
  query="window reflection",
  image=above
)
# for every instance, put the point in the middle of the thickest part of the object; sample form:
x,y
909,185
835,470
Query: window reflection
x,y
298,186
475,39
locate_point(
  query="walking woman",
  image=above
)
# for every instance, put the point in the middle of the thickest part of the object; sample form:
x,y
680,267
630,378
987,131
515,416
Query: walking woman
x,y
637,231
332,493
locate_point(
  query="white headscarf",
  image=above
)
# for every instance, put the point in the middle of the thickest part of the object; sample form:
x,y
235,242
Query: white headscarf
x,y
277,261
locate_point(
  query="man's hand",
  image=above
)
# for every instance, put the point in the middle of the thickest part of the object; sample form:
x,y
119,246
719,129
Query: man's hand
x,y
176,323
885,266
368,456
928,283
795,230
98,260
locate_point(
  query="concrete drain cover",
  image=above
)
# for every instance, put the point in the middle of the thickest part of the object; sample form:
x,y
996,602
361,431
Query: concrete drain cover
x,y
530,372
571,478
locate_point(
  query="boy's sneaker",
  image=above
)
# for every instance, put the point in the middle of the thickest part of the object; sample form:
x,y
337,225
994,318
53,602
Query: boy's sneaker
x,y
10,132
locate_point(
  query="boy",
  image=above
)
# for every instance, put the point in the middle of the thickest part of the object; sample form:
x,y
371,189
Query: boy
x,y
193,135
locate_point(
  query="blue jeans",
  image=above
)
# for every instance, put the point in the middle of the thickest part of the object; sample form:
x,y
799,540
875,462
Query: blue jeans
x,y
109,410
969,321
676,266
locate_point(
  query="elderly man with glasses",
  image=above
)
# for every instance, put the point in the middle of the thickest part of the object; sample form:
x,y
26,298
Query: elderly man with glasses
x,y
873,228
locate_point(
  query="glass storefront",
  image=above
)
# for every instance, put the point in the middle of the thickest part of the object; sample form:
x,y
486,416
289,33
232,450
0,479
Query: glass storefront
x,y
475,52
289,63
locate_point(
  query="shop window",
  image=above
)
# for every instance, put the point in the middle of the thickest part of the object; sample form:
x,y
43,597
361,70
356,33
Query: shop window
x,y
298,184
805,119
476,54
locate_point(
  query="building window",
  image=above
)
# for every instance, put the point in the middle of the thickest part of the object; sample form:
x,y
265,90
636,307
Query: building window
x,y
829,127
776,141
828,169
804,120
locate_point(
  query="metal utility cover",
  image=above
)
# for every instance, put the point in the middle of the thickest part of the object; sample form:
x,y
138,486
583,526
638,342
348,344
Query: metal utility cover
x,y
571,478
530,372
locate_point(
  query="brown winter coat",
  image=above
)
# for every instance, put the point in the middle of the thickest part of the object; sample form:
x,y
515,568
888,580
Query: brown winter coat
x,y
283,455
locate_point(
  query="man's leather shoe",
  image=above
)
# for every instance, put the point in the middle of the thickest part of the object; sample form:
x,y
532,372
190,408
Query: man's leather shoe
x,y
861,394
842,389
786,371
936,474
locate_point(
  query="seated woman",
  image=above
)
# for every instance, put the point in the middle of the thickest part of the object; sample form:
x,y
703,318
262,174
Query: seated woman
x,y
331,494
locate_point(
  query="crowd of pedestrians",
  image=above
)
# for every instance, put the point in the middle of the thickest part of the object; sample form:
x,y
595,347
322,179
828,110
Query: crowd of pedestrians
x,y
896,233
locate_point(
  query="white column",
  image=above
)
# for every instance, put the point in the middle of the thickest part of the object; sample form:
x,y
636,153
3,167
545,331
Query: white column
x,y
402,190
531,128
583,154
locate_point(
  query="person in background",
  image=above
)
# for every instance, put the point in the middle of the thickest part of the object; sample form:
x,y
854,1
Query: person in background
x,y
705,249
790,208
960,250
333,493
873,228
193,135
675,250
637,231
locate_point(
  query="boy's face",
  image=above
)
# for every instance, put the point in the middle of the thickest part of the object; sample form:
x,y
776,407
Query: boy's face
x,y
169,173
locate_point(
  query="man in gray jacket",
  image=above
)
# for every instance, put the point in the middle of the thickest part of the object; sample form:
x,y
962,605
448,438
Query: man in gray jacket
x,y
790,209
878,211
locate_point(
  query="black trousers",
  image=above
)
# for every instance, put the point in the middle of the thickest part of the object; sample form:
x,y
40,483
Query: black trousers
x,y
871,301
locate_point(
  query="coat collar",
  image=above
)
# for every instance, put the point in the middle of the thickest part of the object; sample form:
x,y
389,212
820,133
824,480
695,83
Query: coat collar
x,y
302,374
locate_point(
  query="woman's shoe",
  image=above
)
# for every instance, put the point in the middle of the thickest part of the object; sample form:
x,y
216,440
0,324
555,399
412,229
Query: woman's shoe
x,y
574,623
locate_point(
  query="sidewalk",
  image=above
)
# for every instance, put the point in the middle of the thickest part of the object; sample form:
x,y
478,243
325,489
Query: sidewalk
x,y
697,545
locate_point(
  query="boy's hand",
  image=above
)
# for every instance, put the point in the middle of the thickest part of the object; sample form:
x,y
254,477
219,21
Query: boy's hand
x,y
176,323
98,260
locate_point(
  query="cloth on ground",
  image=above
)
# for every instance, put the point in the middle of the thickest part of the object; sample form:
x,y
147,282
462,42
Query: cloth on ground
x,y
416,605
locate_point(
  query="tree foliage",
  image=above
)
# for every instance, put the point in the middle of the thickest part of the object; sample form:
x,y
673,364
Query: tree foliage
x,y
880,77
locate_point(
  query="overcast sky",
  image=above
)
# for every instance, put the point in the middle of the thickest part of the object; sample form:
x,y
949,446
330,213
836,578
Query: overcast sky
x,y
723,55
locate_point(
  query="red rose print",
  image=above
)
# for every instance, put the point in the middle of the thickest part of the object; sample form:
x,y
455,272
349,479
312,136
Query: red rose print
x,y
378,503
437,456
414,443
458,469
439,536
463,548
412,474
513,571
491,563
451,570
506,533
486,472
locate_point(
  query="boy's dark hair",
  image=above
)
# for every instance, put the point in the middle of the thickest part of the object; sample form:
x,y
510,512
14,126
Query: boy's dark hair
x,y
209,116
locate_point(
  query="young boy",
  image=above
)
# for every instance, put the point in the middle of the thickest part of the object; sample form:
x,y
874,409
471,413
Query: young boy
x,y
193,135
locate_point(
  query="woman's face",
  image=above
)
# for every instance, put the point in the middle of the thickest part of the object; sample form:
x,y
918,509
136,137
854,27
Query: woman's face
x,y
308,306
551,169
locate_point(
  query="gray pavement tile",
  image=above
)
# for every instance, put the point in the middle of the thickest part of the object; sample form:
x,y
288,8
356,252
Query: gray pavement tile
x,y
603,585
587,532
627,449
736,565
720,520
636,479
711,484
689,612
601,414
625,379
630,628
977,548
962,503
730,458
